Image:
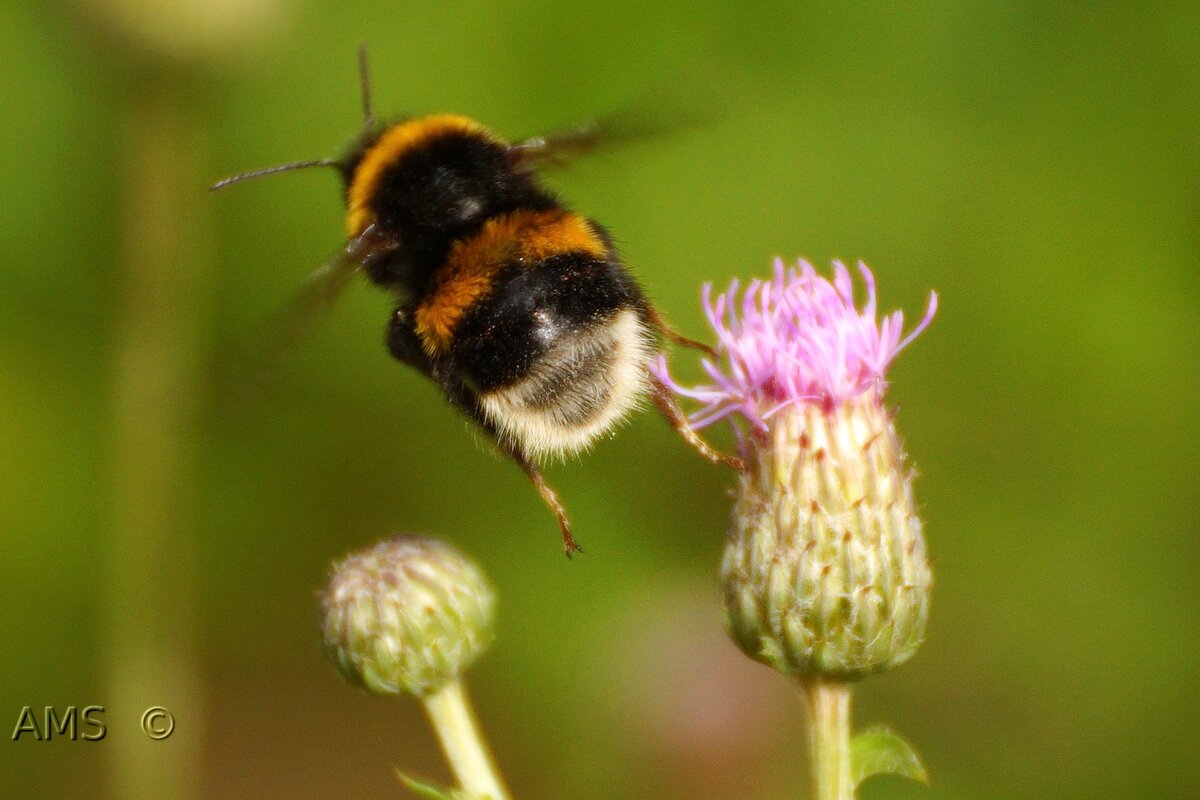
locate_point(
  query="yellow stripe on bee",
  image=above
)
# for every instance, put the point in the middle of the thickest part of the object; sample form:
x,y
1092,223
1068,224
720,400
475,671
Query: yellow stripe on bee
x,y
387,150
525,237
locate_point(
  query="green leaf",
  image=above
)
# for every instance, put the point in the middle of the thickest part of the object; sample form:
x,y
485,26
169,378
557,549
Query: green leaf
x,y
431,792
878,751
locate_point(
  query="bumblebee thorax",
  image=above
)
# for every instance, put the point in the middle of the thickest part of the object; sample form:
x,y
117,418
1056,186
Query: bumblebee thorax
x,y
434,171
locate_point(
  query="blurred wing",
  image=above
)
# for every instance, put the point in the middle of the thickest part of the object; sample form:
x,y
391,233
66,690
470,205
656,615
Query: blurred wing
x,y
320,291
672,107
558,149
280,334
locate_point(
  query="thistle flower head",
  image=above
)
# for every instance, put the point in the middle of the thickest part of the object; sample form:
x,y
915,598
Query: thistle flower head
x,y
406,616
795,339
825,572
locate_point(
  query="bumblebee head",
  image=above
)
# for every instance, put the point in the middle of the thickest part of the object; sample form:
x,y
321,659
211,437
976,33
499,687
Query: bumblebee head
x,y
444,173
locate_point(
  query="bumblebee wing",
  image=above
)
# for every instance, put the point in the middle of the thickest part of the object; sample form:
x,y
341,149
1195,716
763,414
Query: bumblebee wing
x,y
317,295
671,107
324,285
281,333
557,150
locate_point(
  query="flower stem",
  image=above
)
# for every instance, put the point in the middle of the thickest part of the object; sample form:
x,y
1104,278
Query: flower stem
x,y
159,317
456,727
829,738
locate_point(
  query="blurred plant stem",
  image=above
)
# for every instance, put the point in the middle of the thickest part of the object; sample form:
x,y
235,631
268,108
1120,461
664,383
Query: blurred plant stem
x,y
829,738
464,746
151,625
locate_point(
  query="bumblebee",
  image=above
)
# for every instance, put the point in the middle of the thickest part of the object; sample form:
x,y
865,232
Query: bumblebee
x,y
519,309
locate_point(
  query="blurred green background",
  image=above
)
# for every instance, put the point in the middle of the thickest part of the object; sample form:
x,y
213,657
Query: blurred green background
x,y
162,533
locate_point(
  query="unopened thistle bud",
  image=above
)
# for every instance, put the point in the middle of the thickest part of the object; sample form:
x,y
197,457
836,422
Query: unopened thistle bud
x,y
825,572
407,616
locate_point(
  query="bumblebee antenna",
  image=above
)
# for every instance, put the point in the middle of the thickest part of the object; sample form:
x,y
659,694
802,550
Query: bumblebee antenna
x,y
364,77
258,173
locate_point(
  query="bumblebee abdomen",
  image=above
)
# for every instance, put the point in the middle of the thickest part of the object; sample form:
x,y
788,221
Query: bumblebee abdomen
x,y
578,387
512,262
538,310
538,316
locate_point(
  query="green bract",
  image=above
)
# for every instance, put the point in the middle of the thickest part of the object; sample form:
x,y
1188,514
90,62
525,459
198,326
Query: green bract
x,y
407,616
825,573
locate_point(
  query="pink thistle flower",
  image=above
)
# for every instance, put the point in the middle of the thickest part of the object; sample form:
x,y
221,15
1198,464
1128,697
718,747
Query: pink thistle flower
x,y
796,339
825,574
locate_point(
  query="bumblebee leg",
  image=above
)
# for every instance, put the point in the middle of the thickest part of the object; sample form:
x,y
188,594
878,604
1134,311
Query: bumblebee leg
x,y
550,498
656,319
466,400
670,409
403,343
